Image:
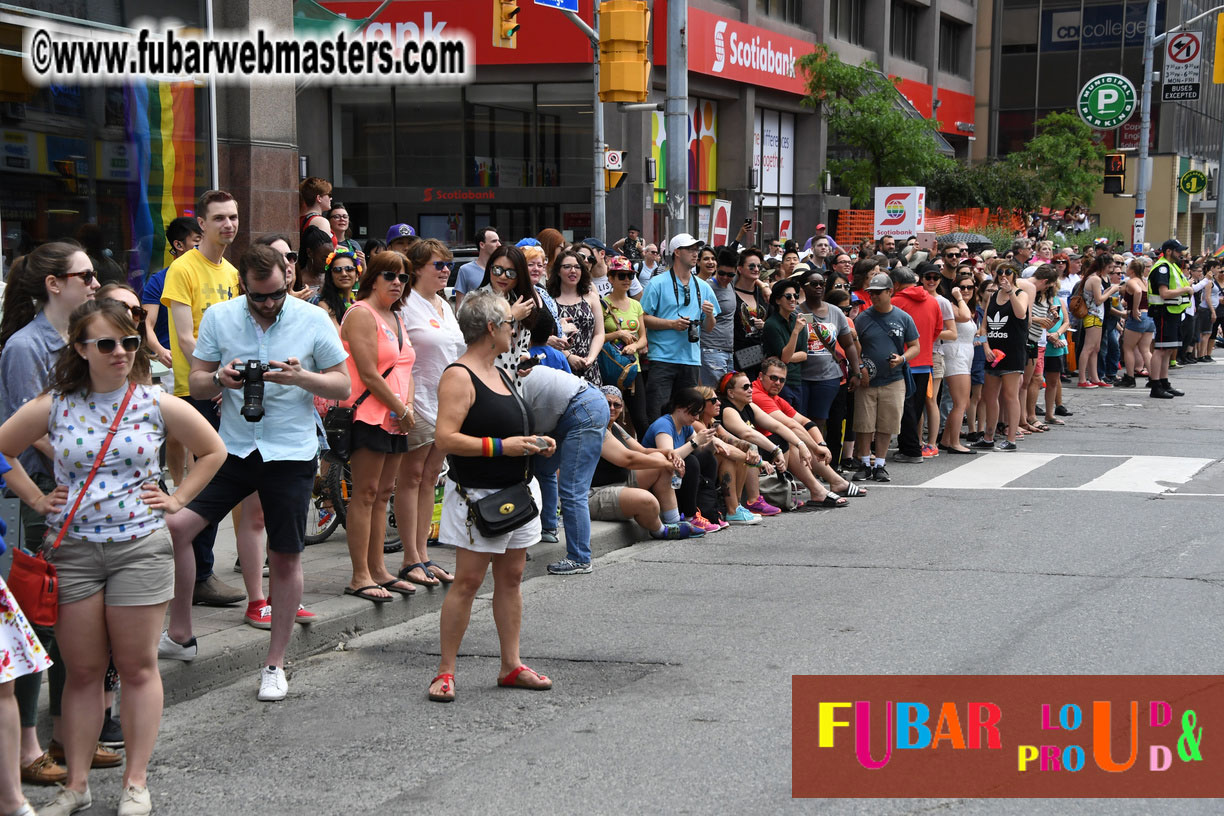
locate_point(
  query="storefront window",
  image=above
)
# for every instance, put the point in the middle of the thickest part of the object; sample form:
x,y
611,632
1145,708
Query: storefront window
x,y
773,160
366,128
428,133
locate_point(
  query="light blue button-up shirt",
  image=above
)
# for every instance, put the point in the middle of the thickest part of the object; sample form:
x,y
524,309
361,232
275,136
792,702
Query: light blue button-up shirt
x,y
287,430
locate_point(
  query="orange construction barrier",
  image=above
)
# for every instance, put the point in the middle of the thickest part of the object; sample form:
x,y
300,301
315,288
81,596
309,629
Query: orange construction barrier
x,y
855,225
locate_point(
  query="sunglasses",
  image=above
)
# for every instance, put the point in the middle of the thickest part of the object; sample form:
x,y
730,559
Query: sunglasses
x,y
788,296
623,276
752,266
966,288
746,387
932,277
616,405
344,268
403,277
291,257
712,400
723,273
260,297
952,254
87,277
841,286
775,378
585,258
503,272
138,314
440,265
107,345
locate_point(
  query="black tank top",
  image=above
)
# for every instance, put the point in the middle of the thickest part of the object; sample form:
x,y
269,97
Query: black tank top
x,y
1006,333
496,415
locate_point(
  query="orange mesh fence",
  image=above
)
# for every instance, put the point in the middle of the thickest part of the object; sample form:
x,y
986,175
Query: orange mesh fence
x,y
855,225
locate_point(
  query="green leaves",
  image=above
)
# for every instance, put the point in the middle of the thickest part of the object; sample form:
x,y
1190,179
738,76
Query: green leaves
x,y
1066,160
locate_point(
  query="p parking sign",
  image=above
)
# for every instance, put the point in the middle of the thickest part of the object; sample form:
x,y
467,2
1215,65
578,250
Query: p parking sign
x,y
1107,101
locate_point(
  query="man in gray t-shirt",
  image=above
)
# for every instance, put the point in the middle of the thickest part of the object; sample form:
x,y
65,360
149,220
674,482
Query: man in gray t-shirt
x,y
471,274
718,344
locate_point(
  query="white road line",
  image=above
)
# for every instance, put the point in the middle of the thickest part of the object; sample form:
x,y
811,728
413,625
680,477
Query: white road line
x,y
992,471
1148,474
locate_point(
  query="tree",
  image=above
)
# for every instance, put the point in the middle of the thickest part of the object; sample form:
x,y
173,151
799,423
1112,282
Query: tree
x,y
880,144
997,185
1064,158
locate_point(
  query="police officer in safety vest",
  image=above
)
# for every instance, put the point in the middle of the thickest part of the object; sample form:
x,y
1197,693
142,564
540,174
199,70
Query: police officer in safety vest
x,y
1169,294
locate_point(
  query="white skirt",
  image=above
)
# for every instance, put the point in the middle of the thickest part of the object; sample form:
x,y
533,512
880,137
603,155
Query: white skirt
x,y
958,358
20,651
454,528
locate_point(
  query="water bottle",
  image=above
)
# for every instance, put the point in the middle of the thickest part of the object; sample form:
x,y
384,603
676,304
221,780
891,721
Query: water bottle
x,y
676,480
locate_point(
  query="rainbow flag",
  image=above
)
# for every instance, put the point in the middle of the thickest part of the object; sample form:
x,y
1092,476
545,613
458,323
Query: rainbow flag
x,y
1218,253
161,127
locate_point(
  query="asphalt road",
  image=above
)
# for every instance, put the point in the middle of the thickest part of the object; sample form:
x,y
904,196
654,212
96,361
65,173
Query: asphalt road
x,y
673,661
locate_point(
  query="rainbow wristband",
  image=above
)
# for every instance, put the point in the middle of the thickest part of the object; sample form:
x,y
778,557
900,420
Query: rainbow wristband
x,y
491,447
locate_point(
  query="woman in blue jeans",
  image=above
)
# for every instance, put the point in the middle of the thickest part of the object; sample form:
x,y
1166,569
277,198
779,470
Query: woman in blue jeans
x,y
574,413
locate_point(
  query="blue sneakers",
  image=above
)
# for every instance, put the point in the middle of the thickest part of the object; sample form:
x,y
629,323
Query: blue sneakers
x,y
568,567
679,530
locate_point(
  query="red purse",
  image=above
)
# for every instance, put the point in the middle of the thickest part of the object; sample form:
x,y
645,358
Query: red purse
x,y
32,580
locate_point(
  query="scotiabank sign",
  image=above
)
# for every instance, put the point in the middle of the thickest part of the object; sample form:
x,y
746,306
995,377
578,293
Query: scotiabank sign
x,y
456,194
737,51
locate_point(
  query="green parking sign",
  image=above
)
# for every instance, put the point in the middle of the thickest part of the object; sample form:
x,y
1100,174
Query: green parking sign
x,y
1192,182
1107,101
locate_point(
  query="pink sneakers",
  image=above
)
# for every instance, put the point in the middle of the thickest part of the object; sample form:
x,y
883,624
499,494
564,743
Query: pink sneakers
x,y
929,450
699,521
763,507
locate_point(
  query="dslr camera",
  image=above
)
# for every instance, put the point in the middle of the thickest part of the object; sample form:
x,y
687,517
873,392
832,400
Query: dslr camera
x,y
252,374
694,330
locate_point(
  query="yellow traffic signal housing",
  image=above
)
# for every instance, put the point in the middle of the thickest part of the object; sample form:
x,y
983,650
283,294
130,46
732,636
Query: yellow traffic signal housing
x,y
1115,172
613,179
624,61
505,23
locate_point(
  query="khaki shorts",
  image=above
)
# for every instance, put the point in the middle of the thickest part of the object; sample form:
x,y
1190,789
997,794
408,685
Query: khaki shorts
x,y
422,434
604,503
937,365
127,573
878,410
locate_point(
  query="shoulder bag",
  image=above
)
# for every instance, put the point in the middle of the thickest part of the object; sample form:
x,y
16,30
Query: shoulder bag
x,y
508,509
616,367
910,385
338,421
32,580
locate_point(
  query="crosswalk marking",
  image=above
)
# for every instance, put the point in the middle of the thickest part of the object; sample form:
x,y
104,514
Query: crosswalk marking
x,y
1134,474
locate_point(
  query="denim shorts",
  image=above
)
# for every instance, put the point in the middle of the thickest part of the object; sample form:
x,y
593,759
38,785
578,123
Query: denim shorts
x,y
977,372
1143,325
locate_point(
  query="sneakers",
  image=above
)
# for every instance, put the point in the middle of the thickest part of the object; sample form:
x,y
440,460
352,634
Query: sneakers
x,y
1061,410
679,530
135,802
212,592
66,802
879,474
272,684
1102,384
983,444
929,450
169,649
259,614
862,474
907,459
743,515
304,616
43,771
112,733
1003,446
1127,381
1085,385
567,567
701,523
549,537
763,507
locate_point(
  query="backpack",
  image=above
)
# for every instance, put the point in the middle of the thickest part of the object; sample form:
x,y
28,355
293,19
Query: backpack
x,y
784,490
1076,305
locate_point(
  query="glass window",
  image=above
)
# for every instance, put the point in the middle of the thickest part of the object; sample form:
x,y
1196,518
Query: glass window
x,y
903,41
566,136
846,21
366,143
428,135
499,123
788,10
953,38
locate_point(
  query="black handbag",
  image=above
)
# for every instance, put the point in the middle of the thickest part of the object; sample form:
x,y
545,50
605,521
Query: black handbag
x,y
511,507
338,426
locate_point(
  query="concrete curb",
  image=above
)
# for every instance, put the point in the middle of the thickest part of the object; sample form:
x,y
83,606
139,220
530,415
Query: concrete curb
x,y
236,652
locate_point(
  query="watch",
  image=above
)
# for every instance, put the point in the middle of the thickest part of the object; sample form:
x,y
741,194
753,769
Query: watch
x,y
217,378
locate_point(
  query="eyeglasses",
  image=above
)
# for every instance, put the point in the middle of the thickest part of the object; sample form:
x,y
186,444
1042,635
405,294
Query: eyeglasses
x,y
843,261
291,257
403,277
774,378
87,277
107,345
440,265
279,294
652,252
503,272
565,267
623,276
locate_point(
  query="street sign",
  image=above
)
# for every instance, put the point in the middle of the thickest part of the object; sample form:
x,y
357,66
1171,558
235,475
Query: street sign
x,y
720,223
563,5
1107,101
1192,182
1137,234
614,159
1182,68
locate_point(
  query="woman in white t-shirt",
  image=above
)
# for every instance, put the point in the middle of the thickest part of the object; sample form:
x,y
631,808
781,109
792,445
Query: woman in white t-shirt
x,y
435,334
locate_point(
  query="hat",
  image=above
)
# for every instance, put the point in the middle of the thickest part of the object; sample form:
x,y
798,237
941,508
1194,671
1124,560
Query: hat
x,y
820,227
400,231
1173,244
527,242
1073,256
879,282
682,241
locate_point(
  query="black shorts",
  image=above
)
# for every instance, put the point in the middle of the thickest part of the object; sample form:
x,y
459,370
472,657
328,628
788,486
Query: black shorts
x,y
284,490
1168,327
1202,321
373,438
1054,365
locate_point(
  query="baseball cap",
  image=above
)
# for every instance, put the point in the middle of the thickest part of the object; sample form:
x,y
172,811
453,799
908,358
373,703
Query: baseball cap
x,y
879,282
682,241
595,243
1173,244
400,231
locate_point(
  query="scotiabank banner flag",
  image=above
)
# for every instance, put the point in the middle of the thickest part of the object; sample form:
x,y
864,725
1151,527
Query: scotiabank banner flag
x,y
737,51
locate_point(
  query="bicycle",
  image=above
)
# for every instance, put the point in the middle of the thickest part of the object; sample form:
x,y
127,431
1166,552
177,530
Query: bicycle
x,y
329,509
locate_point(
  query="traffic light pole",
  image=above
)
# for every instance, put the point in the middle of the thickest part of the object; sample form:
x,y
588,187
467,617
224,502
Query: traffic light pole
x,y
599,193
676,117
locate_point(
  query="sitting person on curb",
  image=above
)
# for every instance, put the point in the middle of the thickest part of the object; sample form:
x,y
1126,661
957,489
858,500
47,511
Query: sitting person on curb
x,y
627,482
766,395
737,461
673,434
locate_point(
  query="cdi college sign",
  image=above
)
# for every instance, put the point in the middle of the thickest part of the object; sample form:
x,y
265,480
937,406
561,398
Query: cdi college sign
x,y
899,211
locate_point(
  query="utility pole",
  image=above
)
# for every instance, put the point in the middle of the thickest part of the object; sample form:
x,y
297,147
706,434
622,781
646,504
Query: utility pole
x,y
676,117
599,194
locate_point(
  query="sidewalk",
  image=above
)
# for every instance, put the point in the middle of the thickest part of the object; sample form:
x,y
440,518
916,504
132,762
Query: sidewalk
x,y
230,650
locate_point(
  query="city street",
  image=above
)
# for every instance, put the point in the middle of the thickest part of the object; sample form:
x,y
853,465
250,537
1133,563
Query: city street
x,y
1095,550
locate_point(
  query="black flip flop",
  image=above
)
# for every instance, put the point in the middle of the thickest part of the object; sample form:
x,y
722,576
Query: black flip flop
x,y
404,576
364,593
831,500
390,586
450,580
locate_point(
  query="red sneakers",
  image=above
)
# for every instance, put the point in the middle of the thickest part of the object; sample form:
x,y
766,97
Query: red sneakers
x,y
259,614
304,616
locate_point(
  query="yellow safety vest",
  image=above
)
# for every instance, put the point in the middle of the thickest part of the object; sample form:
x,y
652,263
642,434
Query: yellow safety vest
x,y
1177,280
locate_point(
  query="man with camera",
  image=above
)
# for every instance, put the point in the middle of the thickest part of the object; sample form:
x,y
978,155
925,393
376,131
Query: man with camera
x,y
631,246
268,356
677,306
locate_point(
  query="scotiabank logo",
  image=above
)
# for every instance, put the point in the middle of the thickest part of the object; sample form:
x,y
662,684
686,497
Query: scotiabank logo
x,y
434,194
751,54
720,50
894,209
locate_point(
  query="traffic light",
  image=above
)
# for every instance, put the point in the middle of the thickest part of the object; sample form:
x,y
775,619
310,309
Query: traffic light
x,y
624,64
67,169
1115,172
614,179
505,23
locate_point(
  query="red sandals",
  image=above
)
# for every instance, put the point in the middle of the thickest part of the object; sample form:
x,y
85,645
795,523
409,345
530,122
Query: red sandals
x,y
511,680
447,694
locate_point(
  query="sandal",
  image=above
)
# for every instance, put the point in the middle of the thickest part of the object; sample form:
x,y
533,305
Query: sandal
x,y
364,593
447,693
830,500
1040,427
439,572
405,574
851,491
1055,421
511,680
391,586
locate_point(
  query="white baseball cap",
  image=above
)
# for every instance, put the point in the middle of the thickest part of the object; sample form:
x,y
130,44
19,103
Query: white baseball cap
x,y
682,241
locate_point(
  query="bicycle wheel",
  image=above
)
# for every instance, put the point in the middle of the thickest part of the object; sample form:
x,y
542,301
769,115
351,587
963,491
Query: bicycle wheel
x,y
321,519
392,543
339,486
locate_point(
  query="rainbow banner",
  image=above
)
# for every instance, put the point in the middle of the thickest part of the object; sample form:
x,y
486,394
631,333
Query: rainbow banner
x,y
1219,252
161,126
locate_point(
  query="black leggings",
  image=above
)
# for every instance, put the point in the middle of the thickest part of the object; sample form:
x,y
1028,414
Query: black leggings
x,y
686,493
838,414
635,406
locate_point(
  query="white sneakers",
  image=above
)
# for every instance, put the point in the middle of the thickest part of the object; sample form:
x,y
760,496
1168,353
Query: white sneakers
x,y
170,649
135,802
66,802
272,684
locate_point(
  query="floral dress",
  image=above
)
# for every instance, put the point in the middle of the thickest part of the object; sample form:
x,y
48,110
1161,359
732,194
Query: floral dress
x,y
20,651
584,319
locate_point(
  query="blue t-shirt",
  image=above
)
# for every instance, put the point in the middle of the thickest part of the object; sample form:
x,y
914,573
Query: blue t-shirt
x,y
883,335
552,358
152,296
667,299
665,424
5,467
469,277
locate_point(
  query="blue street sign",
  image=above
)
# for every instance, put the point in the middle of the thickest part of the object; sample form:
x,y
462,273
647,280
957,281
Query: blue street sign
x,y
563,5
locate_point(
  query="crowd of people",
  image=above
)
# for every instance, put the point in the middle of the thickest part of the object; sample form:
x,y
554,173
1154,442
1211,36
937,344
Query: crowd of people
x,y
683,390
